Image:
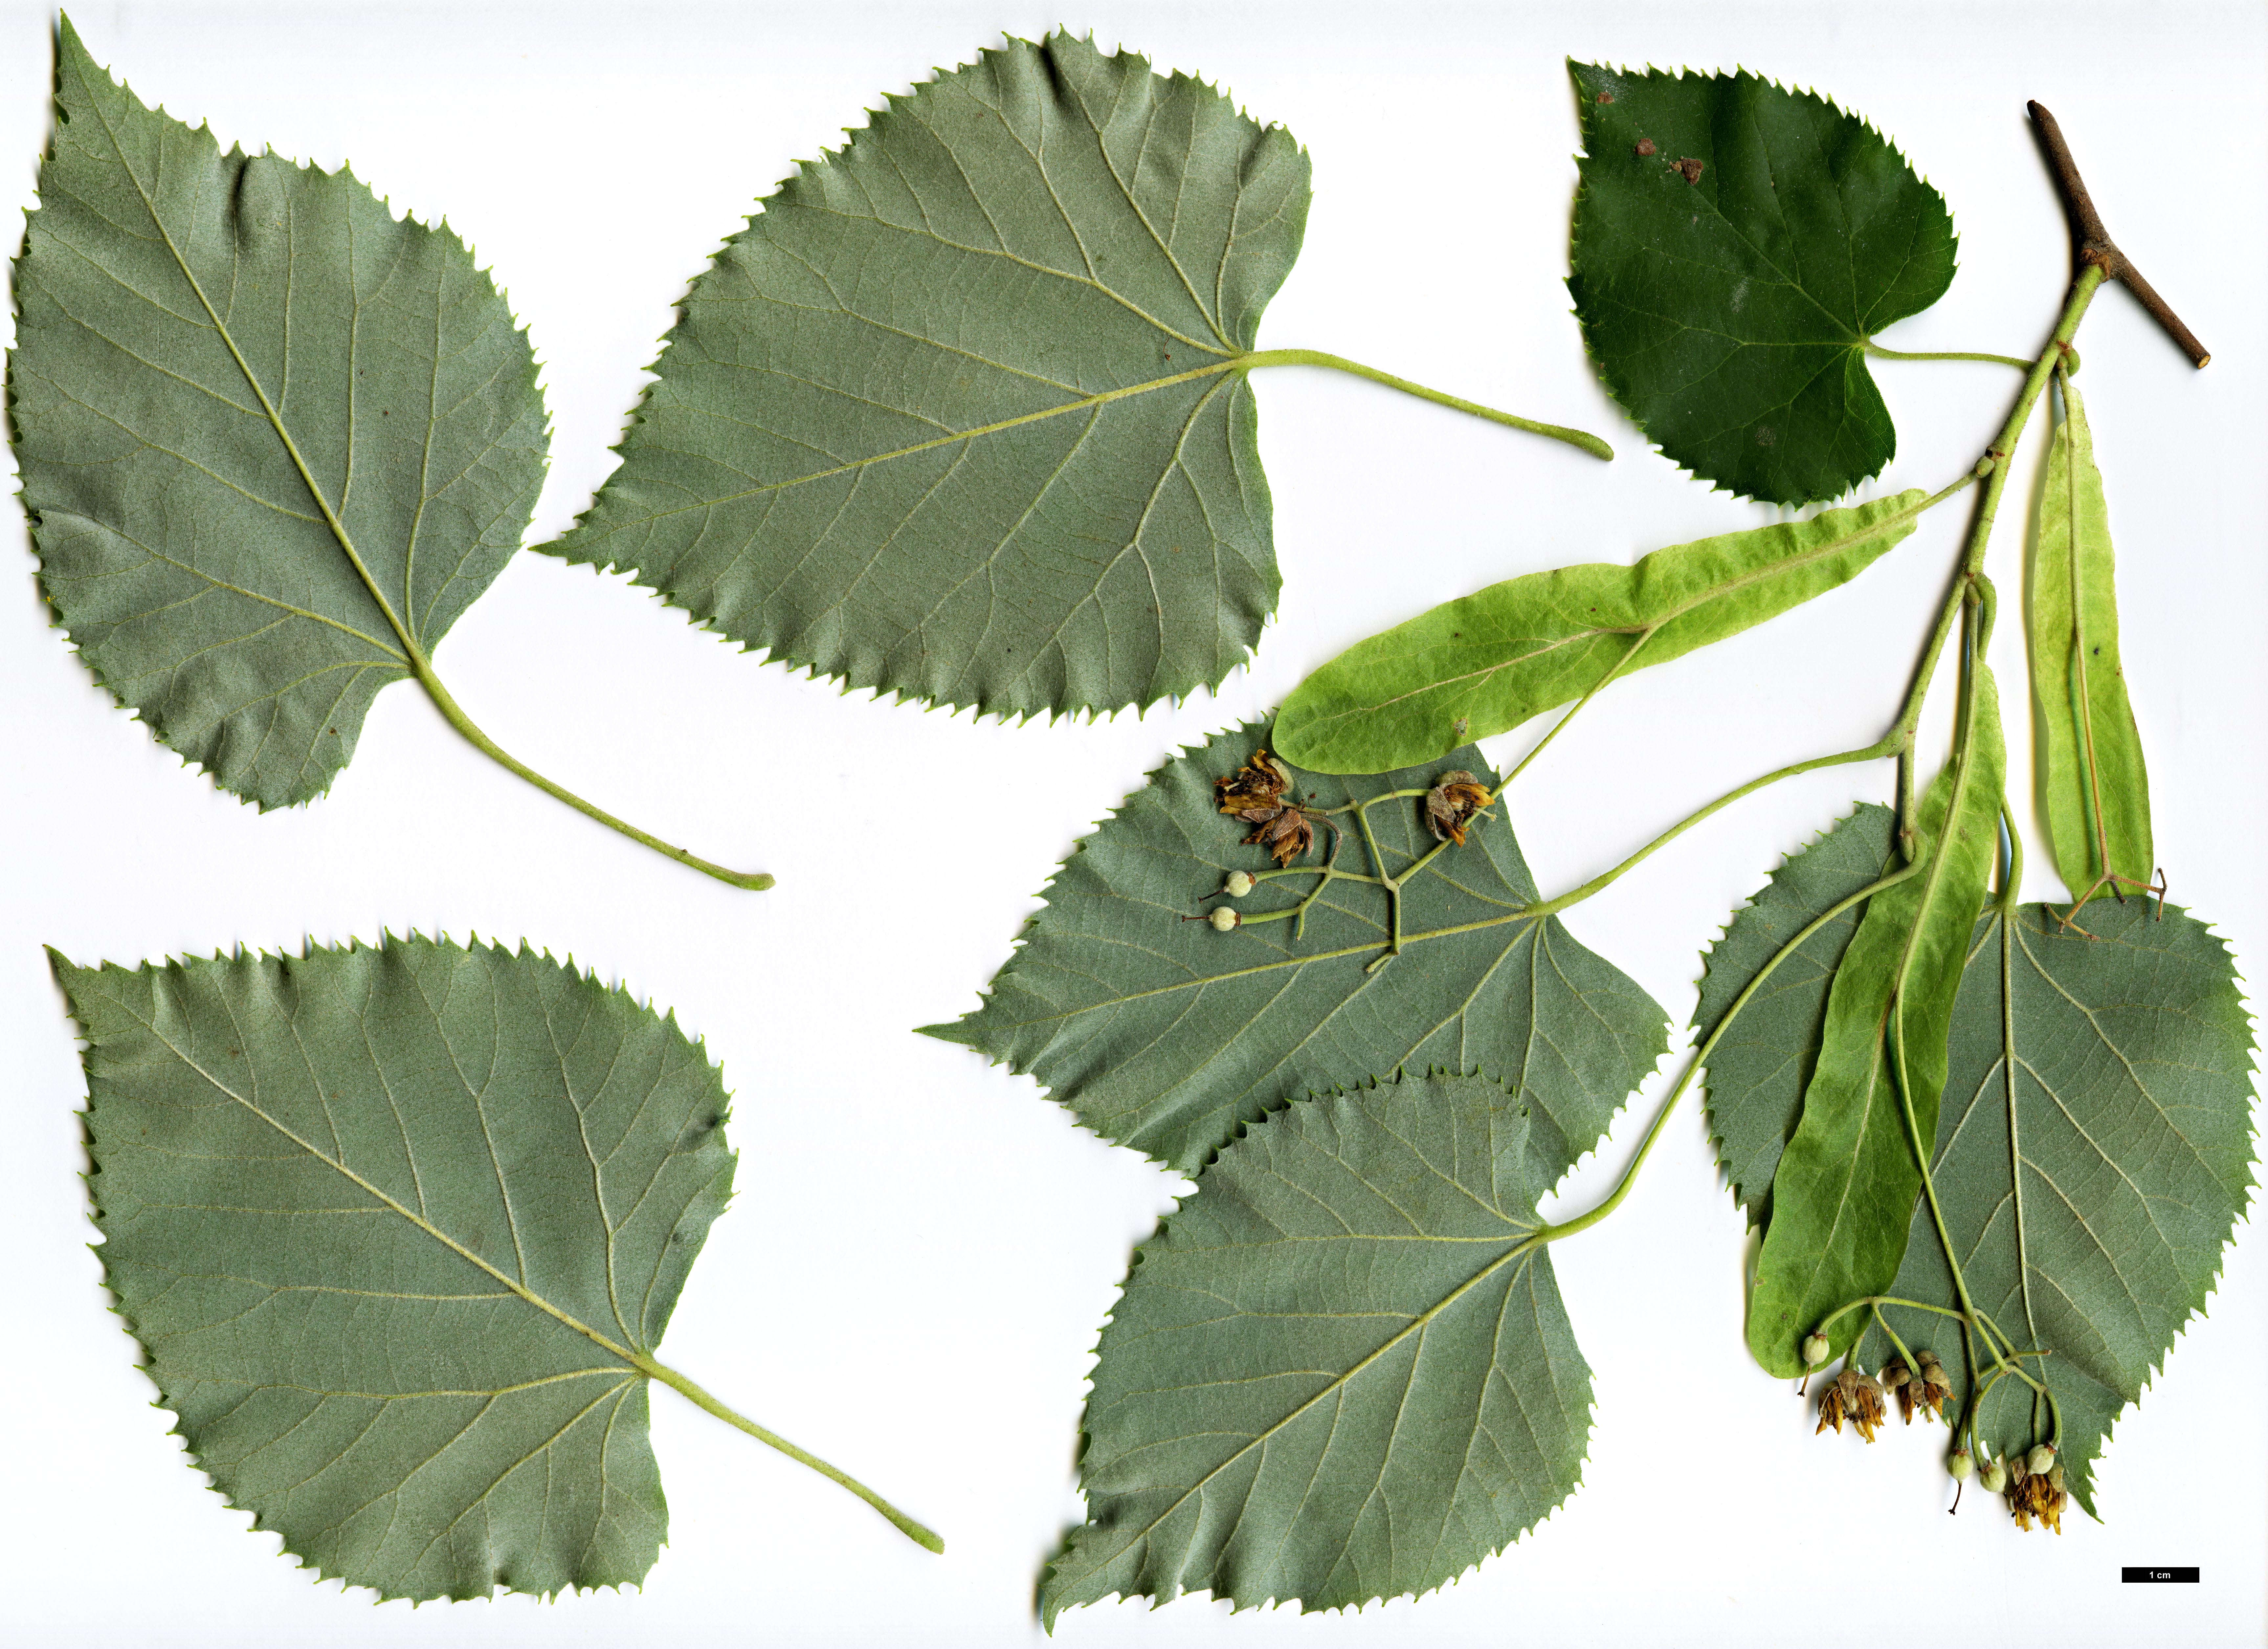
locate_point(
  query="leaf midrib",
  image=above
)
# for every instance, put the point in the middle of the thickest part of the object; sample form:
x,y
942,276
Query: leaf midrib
x,y
275,420
1417,1325
636,1361
1084,403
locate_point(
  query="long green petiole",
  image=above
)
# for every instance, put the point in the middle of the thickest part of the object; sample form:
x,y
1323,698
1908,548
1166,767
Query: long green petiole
x,y
1552,1234
1578,438
755,881
1881,354
919,1533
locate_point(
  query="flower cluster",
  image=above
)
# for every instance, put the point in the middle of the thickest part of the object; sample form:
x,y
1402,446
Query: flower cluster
x,y
1254,794
1924,1387
1453,803
2035,1489
1852,1395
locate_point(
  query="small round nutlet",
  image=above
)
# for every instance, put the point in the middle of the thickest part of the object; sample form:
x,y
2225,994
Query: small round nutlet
x,y
1223,919
2040,1461
1958,1465
1995,1477
1238,884
1814,1350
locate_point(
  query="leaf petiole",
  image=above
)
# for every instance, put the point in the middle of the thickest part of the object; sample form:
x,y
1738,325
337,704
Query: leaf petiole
x,y
755,881
917,1533
1581,1222
1880,353
1578,439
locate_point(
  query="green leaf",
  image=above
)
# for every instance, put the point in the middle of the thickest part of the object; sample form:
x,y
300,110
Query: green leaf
x,y
1164,1035
1485,663
272,442
1843,1191
1342,1371
2093,786
1758,1070
960,415
1729,309
2093,1154
399,1229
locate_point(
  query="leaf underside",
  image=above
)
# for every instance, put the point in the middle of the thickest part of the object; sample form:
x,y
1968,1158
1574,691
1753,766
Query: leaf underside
x,y
1729,314
1758,1070
2094,787
1485,663
1165,1036
213,353
389,1223
958,415
1842,1194
2093,1153
1342,1371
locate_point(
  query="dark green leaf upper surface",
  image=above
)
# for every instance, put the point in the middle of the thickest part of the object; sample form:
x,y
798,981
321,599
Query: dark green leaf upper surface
x,y
229,369
1486,662
1342,1371
2094,1150
1843,1193
390,1224
1164,1035
1759,1070
1736,245
958,415
2094,785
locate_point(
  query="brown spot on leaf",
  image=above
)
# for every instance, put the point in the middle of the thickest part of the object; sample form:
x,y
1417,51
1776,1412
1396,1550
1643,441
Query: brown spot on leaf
x,y
1690,169
1606,97
1644,147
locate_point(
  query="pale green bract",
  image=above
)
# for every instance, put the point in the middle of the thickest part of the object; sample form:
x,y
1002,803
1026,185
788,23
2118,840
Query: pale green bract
x,y
1342,1371
1759,1068
1485,663
962,414
1843,1191
1164,1035
2094,785
273,441
2095,1149
390,1223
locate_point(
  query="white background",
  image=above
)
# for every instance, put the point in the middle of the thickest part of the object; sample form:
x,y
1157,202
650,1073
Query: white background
x,y
922,1248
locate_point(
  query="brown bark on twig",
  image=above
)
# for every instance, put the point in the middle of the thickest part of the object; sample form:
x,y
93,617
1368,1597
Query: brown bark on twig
x,y
2092,243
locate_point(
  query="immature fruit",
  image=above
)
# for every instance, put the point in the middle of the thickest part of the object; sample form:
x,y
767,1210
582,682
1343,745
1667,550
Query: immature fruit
x,y
1240,883
1222,918
1815,1350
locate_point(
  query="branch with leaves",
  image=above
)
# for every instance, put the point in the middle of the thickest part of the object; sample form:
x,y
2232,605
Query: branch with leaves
x,y
1994,1149
964,415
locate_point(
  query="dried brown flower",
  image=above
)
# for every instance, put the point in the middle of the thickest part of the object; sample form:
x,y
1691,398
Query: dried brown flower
x,y
2034,1494
1453,804
1254,794
1255,791
1286,835
1854,1396
1929,1387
